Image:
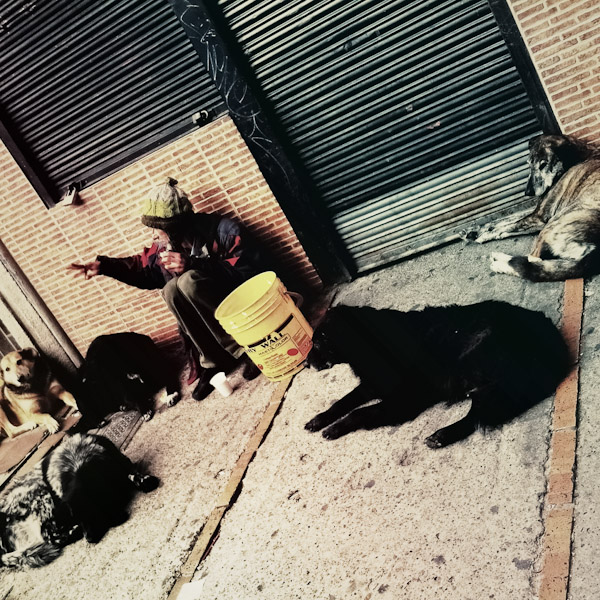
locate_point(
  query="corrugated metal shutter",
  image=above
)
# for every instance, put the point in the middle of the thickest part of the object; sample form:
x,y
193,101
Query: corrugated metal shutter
x,y
409,116
88,86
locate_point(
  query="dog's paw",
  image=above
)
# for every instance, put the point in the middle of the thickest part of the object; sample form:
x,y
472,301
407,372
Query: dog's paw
x,y
27,426
500,263
486,233
172,399
150,483
333,432
93,536
148,415
74,534
316,424
52,425
62,537
144,483
103,423
436,440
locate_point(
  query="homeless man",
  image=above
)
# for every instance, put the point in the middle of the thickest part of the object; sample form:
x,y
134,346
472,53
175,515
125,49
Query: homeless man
x,y
196,259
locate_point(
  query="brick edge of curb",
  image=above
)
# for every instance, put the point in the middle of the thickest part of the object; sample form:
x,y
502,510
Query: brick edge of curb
x,y
558,511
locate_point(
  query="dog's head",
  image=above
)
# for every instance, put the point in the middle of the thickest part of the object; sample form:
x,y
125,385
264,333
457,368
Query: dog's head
x,y
550,157
322,355
329,339
18,368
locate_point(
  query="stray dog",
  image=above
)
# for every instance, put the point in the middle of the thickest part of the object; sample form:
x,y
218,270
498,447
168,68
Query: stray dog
x,y
565,178
30,393
81,489
124,371
503,358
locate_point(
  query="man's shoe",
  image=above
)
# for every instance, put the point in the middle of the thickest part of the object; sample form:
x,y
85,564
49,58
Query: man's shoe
x,y
204,388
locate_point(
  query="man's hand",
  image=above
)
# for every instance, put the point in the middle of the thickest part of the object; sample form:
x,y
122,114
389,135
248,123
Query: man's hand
x,y
174,262
89,270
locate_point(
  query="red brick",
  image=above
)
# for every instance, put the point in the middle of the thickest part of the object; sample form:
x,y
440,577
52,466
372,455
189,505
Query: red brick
x,y
573,113
546,44
557,68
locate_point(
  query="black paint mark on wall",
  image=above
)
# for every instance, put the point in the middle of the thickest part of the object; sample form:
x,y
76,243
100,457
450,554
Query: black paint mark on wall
x,y
311,224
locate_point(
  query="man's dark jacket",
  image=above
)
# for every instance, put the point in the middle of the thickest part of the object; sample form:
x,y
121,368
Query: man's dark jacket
x,y
210,243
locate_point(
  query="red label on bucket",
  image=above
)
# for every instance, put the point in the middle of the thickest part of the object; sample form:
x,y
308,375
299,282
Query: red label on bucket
x,y
283,351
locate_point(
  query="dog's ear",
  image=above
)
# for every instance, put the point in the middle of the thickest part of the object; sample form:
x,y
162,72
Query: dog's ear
x,y
29,353
570,151
321,356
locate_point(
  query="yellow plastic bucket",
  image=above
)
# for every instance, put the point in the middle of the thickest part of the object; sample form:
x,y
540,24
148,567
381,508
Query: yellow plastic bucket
x,y
261,317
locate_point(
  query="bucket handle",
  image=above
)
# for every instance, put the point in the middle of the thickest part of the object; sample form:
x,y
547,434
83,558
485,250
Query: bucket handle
x,y
297,298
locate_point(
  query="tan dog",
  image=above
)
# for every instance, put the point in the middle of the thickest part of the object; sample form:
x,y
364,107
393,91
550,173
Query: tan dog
x,y
30,394
564,176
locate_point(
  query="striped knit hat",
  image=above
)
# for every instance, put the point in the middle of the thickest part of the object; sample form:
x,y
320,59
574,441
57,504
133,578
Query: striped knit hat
x,y
166,206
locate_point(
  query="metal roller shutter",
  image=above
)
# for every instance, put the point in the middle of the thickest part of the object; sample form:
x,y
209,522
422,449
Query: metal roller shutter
x,y
89,86
409,116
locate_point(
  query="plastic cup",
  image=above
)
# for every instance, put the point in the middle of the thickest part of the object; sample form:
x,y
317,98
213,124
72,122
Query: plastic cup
x,y
220,383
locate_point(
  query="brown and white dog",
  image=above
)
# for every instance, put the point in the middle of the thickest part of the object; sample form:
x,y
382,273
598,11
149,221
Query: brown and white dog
x,y
565,179
30,395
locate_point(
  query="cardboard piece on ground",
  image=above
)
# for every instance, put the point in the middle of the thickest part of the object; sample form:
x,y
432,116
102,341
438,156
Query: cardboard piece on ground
x,y
14,450
34,445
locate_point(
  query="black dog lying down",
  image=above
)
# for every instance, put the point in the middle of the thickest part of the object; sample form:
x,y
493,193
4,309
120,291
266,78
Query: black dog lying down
x,y
82,488
503,358
124,371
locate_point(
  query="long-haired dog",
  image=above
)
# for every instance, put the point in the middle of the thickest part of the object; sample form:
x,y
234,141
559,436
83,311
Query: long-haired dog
x,y
82,488
565,179
503,358
30,394
124,371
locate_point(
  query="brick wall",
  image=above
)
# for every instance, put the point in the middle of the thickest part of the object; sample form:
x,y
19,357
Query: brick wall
x,y
563,37
213,165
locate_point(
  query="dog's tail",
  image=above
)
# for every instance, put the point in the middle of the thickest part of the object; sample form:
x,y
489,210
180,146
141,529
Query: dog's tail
x,y
34,556
557,269
538,270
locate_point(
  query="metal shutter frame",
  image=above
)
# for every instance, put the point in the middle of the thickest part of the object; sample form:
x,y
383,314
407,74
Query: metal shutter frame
x,y
89,87
384,102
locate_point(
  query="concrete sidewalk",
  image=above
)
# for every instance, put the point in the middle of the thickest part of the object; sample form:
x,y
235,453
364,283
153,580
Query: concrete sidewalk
x,y
376,514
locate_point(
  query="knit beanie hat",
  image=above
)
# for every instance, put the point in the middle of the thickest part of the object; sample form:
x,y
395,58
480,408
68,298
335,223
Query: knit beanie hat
x,y
166,206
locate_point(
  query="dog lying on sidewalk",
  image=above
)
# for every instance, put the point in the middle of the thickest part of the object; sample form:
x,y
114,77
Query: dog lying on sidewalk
x,y
504,358
82,488
124,371
30,395
565,178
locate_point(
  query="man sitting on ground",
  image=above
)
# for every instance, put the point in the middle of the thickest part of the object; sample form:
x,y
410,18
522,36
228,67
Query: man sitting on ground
x,y
197,259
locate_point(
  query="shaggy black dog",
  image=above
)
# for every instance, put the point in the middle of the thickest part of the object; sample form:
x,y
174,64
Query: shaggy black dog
x,y
503,358
124,371
82,488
